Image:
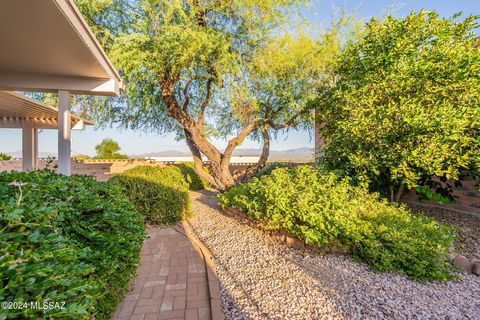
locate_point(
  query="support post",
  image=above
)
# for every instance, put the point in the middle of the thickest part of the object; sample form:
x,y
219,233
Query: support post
x,y
64,133
35,148
28,145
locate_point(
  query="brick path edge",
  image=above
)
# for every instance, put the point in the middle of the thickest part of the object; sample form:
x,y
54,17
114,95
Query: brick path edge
x,y
213,283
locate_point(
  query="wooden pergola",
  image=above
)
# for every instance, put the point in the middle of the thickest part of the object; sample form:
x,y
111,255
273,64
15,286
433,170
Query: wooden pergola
x,y
46,46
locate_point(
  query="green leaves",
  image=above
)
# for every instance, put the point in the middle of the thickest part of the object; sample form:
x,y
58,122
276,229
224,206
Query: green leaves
x,y
160,193
68,239
406,103
109,149
4,156
321,208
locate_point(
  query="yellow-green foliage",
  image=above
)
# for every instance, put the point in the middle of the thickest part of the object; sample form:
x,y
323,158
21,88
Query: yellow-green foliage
x,y
321,209
406,104
160,193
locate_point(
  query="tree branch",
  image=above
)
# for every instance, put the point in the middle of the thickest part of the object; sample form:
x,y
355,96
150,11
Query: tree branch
x,y
234,142
197,160
262,161
289,123
206,101
186,94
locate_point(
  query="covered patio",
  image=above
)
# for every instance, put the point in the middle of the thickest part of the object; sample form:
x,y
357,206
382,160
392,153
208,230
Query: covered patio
x,y
51,50
20,112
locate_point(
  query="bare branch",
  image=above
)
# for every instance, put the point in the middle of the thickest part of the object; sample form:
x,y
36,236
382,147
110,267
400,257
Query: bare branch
x,y
206,101
234,142
262,161
186,94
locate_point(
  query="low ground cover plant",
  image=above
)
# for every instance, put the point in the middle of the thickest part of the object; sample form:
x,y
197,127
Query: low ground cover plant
x,y
320,208
68,240
160,193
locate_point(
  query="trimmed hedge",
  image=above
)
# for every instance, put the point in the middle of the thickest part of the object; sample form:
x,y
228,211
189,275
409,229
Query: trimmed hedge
x,y
194,182
322,209
65,239
160,193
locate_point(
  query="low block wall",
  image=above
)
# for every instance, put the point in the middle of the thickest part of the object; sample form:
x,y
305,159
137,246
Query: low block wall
x,y
101,169
467,198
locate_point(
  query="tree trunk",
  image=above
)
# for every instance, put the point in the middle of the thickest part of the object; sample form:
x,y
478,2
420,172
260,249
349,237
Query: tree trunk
x,y
399,193
252,170
197,160
220,178
198,143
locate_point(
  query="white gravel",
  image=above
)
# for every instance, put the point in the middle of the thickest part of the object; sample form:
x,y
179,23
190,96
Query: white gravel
x,y
264,279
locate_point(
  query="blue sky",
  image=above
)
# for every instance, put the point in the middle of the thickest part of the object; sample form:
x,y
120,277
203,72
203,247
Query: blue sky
x,y
318,13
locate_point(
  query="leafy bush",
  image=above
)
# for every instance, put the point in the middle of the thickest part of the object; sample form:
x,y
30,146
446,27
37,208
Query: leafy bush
x,y
406,106
69,239
319,208
160,193
191,177
270,167
4,156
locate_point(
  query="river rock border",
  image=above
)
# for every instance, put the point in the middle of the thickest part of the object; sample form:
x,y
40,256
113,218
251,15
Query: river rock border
x,y
468,265
460,261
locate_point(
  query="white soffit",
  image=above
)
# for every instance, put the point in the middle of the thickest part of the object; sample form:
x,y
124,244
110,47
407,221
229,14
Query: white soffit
x,y
47,46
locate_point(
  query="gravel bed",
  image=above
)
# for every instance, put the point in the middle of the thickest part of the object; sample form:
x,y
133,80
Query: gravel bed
x,y
264,279
468,242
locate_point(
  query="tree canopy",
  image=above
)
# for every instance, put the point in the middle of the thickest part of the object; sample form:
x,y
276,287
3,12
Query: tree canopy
x,y
4,156
406,103
209,68
109,149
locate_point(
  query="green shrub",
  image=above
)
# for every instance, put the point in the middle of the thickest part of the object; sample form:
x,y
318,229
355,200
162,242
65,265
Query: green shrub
x,y
160,193
191,177
270,167
4,156
406,106
319,208
69,239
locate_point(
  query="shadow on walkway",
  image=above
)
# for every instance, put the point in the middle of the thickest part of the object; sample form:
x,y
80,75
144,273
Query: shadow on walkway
x,y
172,281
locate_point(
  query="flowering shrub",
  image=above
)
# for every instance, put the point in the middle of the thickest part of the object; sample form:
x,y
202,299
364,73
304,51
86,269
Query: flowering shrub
x,y
65,239
321,209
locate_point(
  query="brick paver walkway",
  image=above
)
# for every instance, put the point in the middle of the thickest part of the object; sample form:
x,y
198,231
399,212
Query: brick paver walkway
x,y
171,283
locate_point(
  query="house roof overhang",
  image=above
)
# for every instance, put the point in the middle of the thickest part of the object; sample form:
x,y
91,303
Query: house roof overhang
x,y
15,108
46,46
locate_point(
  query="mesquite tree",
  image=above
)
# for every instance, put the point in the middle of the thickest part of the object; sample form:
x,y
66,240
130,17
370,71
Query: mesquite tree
x,y
208,68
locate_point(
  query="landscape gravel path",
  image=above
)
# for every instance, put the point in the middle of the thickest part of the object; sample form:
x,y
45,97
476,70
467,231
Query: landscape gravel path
x,y
263,279
468,241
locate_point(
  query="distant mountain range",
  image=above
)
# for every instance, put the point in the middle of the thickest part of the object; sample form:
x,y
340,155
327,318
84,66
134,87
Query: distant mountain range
x,y
18,154
299,154
303,153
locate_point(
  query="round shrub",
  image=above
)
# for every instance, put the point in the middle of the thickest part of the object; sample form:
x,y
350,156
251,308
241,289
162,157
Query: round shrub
x,y
270,167
65,239
159,193
191,177
322,209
